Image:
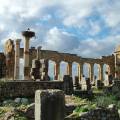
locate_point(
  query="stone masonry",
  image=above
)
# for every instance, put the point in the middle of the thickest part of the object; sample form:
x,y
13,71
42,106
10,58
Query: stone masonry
x,y
49,105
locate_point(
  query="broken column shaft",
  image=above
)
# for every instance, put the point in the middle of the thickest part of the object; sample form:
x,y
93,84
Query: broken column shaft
x,y
27,34
17,59
49,105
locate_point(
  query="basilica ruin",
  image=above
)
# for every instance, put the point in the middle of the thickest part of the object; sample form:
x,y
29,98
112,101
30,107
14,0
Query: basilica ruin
x,y
50,93
36,61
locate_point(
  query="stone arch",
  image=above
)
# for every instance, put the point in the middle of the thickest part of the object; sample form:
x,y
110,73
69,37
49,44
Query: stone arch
x,y
100,71
96,71
75,69
63,69
51,69
106,71
86,70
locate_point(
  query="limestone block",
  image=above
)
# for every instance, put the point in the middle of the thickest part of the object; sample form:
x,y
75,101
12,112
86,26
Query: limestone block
x,y
49,105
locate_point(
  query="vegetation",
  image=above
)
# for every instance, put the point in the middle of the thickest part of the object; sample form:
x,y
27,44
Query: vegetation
x,y
83,105
13,108
100,100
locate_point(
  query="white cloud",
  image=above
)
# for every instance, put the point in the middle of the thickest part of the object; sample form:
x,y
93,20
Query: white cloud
x,y
110,12
27,8
12,35
99,47
57,39
75,12
95,28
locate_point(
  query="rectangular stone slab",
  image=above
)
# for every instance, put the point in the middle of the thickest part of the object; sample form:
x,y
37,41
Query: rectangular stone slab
x,y
49,105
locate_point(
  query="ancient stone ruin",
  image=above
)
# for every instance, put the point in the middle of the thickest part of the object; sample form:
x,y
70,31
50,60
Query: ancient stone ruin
x,y
36,77
13,52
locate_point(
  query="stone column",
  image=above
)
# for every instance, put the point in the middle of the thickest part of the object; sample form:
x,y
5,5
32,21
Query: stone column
x,y
57,71
69,69
101,72
91,72
80,71
27,34
115,65
49,105
17,59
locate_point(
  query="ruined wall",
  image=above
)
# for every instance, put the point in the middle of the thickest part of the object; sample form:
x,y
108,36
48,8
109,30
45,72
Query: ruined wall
x,y
110,60
26,88
2,65
117,62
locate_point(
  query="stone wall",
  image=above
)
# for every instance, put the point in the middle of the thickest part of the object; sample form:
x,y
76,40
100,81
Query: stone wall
x,y
2,65
12,89
110,113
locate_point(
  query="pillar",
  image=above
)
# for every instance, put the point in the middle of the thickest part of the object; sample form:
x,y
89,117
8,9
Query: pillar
x,y
101,72
17,59
57,71
69,69
27,34
116,65
91,72
80,71
49,105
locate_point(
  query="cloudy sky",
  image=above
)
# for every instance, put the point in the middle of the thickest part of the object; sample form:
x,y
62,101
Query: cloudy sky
x,y
89,28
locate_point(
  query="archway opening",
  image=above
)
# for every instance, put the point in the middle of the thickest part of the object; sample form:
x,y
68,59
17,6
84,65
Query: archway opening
x,y
75,68
63,69
106,71
51,69
86,70
96,71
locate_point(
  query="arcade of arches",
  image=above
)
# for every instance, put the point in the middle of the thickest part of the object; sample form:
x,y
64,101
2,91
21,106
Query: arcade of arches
x,y
59,69
62,64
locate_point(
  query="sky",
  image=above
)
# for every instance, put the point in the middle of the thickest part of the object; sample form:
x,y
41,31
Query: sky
x,y
88,28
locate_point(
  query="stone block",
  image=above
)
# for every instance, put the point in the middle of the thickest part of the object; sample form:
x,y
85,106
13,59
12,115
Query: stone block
x,y
99,84
36,63
68,84
49,105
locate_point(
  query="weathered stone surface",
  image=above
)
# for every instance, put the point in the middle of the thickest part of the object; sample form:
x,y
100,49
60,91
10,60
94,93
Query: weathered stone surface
x,y
2,65
99,84
68,84
76,83
14,89
85,84
30,112
110,113
49,105
10,58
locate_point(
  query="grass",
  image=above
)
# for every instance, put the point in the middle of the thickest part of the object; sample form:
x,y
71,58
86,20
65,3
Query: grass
x,y
100,100
17,109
